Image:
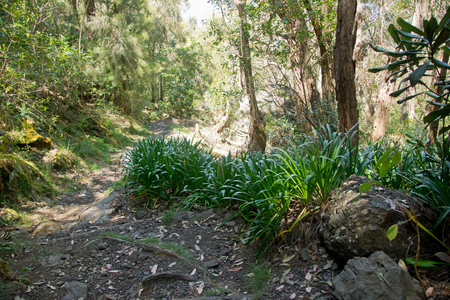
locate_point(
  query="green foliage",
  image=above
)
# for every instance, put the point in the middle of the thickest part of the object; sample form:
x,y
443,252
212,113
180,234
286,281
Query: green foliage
x,y
262,185
417,52
20,179
164,167
258,279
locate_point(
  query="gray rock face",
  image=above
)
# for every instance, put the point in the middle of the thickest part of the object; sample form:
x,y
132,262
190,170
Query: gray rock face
x,y
100,211
355,226
76,290
377,277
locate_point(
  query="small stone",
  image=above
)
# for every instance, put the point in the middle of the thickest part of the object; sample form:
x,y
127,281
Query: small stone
x,y
80,226
141,214
210,264
102,246
230,223
76,290
304,255
53,260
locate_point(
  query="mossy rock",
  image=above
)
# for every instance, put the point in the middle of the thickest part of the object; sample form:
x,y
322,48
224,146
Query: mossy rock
x,y
60,159
29,137
20,178
6,145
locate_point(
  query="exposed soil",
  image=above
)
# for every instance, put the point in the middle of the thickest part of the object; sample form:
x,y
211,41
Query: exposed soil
x,y
191,254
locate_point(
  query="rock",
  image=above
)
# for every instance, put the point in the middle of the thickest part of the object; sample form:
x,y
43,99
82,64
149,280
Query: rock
x,y
210,264
182,215
53,260
141,215
80,226
230,224
205,214
47,227
76,290
355,226
100,211
29,137
59,159
377,277
6,145
58,233
304,255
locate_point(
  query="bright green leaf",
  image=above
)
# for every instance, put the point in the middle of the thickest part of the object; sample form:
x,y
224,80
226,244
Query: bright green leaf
x,y
392,232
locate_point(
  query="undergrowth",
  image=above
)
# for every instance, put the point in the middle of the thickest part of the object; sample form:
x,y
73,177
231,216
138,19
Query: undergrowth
x,y
264,186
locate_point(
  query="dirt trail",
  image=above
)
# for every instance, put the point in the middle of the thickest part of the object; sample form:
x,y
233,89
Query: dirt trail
x,y
95,245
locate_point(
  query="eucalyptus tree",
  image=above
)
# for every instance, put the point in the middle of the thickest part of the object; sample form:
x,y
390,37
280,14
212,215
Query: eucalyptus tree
x,y
344,68
257,133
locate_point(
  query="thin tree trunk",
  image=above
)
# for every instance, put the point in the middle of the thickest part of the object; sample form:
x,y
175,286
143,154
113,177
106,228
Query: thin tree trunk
x,y
257,134
325,55
409,107
306,96
344,68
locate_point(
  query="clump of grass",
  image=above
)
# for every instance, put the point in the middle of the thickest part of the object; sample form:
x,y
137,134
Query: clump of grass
x,y
20,179
177,248
168,217
117,236
258,279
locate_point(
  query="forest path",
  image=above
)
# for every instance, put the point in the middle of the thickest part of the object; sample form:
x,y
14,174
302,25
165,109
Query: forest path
x,y
121,251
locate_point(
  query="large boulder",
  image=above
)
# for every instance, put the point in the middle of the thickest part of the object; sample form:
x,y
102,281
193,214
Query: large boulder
x,y
377,277
356,224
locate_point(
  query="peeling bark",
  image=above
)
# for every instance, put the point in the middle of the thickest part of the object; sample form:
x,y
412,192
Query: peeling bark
x,y
344,68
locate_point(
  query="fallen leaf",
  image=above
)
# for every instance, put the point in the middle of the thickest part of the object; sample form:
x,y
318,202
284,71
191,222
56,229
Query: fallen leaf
x,y
443,256
329,283
402,265
292,296
109,266
172,264
250,275
197,247
308,276
289,258
200,288
193,272
155,267
235,269
309,289
51,287
280,287
430,292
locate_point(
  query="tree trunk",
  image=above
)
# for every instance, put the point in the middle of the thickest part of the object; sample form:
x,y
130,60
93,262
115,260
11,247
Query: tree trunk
x,y
409,107
382,111
325,55
306,96
344,68
257,134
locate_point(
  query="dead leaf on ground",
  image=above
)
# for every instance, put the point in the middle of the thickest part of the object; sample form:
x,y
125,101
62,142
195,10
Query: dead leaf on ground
x,y
288,258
